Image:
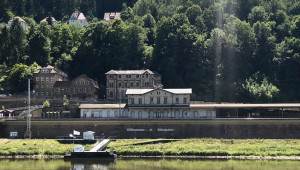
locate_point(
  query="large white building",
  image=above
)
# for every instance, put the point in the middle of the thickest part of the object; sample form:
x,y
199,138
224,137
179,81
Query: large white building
x,y
155,103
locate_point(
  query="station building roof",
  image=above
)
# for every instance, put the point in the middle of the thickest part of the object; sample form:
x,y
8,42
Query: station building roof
x,y
242,105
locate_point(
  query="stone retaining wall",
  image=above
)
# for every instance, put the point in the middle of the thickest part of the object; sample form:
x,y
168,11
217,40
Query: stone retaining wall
x,y
238,129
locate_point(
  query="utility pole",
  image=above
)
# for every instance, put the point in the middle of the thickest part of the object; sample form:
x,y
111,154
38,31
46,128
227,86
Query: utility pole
x,y
28,130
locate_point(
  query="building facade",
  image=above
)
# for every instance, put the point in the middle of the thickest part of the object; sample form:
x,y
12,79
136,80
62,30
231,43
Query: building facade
x,y
118,81
155,103
80,87
111,16
22,22
79,18
45,78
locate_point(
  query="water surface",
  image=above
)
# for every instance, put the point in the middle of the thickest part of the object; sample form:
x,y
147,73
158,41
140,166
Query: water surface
x,y
145,164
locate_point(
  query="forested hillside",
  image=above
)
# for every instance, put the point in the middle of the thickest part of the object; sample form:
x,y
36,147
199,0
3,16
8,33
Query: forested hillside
x,y
226,50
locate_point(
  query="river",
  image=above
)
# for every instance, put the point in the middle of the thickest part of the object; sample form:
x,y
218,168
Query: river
x,y
147,163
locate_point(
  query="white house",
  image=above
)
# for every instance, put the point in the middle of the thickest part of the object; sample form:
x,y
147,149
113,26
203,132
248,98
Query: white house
x,y
78,17
103,111
155,103
22,22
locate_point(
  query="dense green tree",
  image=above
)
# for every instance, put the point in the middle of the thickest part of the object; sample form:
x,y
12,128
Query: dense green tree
x,y
19,75
17,43
257,91
258,13
193,12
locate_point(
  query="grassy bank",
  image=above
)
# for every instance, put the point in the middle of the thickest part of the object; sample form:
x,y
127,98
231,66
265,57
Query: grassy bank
x,y
158,147
35,147
209,147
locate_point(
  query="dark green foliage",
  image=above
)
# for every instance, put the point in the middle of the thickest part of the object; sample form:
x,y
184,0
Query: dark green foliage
x,y
214,47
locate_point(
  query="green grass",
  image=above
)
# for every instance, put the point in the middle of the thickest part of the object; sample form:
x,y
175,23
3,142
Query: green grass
x,y
198,147
35,147
210,147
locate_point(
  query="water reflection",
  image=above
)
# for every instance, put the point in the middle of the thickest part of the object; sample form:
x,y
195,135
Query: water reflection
x,y
145,164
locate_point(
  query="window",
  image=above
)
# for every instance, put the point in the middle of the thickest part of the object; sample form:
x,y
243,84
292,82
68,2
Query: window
x,y
151,100
165,100
131,84
147,75
46,93
129,76
52,78
47,86
36,79
111,94
184,100
137,76
140,100
158,93
110,76
158,100
42,78
47,78
51,86
125,84
37,86
120,76
42,93
84,89
177,100
111,84
126,76
37,93
42,86
137,84
132,100
120,84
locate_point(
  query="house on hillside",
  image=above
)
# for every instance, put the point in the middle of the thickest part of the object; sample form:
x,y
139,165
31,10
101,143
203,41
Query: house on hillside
x,y
45,78
78,17
118,81
81,87
54,22
23,23
112,16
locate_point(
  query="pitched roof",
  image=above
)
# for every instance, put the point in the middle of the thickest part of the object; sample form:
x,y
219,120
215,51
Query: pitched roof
x,y
241,105
129,71
102,106
45,19
144,91
112,15
18,18
94,83
78,15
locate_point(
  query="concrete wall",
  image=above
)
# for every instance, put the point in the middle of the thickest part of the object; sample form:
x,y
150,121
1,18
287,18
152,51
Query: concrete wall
x,y
161,128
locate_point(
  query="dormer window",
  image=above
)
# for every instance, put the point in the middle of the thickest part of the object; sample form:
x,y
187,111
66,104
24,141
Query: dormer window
x,y
111,17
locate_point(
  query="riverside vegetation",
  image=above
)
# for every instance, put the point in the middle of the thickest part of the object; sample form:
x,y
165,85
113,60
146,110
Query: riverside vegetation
x,y
35,147
143,147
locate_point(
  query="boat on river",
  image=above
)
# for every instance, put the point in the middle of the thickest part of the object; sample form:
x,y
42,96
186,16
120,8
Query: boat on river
x,y
96,152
